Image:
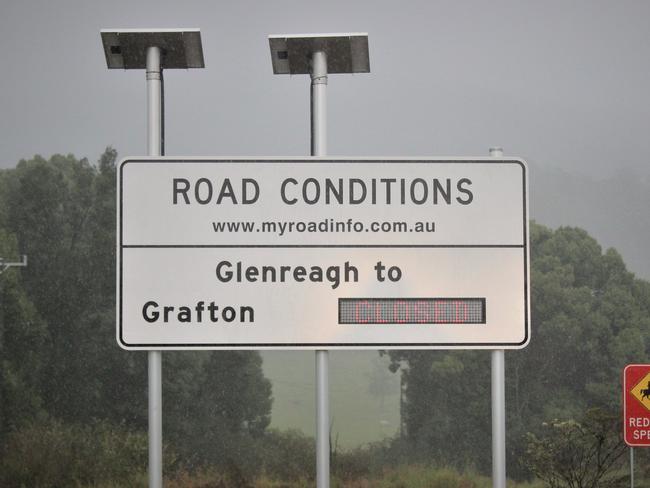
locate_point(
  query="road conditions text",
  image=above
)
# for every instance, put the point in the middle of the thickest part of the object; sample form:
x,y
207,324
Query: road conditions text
x,y
328,191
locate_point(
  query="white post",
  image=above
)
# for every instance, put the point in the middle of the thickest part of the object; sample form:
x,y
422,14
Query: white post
x,y
154,148
318,104
319,148
498,402
631,467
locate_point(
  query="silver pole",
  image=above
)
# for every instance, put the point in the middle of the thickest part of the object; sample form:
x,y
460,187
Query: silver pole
x,y
154,102
154,148
498,402
318,104
498,419
319,148
631,467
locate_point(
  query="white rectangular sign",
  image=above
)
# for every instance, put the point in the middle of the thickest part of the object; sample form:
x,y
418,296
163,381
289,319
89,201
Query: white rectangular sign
x,y
322,253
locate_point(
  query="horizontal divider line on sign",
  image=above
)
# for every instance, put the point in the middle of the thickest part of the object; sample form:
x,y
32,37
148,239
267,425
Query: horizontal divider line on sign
x,y
362,345
186,246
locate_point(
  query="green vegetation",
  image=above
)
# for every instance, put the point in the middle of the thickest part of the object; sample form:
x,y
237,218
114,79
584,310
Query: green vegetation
x,y
59,360
50,453
73,405
581,454
590,317
414,476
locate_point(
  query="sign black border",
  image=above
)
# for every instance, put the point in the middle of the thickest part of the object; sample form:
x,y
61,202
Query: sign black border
x,y
313,345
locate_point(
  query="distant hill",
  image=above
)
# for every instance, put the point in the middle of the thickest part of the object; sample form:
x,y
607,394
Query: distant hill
x,y
615,211
364,395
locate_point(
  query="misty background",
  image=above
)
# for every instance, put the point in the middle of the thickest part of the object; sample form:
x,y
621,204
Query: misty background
x,y
562,84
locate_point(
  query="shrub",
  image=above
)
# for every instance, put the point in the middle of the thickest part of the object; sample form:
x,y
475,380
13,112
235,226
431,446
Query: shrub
x,y
52,454
288,455
578,454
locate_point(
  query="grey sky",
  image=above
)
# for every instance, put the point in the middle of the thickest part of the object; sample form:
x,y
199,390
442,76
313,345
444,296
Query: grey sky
x,y
564,84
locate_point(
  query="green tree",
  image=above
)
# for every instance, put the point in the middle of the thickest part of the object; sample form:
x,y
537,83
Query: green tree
x,y
61,213
222,404
23,337
590,317
48,209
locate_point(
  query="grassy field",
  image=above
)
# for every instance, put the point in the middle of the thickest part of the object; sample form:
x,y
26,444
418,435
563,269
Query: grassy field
x,y
364,401
400,477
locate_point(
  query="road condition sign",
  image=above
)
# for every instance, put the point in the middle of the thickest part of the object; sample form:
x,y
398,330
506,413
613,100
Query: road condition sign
x,y
636,404
322,253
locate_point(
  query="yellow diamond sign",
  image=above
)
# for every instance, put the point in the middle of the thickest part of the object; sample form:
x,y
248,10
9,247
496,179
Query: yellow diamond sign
x,y
642,391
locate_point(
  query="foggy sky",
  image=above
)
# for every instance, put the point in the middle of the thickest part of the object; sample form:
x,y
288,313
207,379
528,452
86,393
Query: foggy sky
x,y
564,84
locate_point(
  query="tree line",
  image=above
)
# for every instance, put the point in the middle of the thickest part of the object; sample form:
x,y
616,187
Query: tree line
x,y
59,362
59,356
590,317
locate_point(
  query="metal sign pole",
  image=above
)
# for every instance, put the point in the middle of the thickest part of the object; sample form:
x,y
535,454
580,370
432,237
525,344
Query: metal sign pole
x,y
498,402
154,148
631,467
319,148
308,54
498,419
318,104
152,50
4,265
